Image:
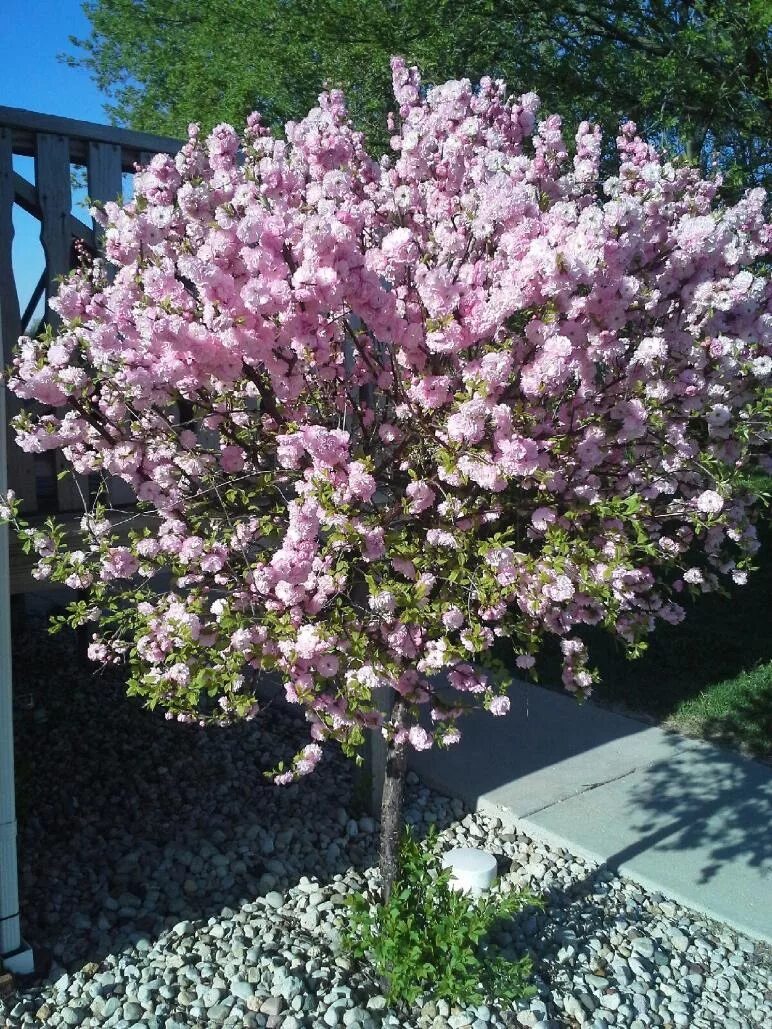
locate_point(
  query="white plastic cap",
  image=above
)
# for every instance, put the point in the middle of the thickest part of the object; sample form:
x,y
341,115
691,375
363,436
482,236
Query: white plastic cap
x,y
473,871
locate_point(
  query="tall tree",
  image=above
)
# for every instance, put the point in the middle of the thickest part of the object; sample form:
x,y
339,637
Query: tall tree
x,y
694,73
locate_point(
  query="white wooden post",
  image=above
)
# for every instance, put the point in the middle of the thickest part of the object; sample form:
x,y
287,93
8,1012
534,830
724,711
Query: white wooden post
x,y
14,954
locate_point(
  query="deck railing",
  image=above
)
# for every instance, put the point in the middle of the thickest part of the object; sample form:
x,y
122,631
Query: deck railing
x,y
57,145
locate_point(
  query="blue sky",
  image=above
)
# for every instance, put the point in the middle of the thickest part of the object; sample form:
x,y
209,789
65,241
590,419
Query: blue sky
x,y
33,33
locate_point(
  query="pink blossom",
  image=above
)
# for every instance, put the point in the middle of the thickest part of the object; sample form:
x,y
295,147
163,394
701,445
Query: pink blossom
x,y
327,665
119,563
476,390
399,246
419,738
360,482
542,518
453,618
421,495
710,502
232,459
403,567
308,759
382,603
499,706
373,544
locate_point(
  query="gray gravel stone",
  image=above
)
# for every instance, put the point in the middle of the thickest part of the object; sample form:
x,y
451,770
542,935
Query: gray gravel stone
x,y
272,1005
70,1016
644,947
214,899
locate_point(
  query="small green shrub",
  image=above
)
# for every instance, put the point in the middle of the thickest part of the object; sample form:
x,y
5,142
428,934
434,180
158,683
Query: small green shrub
x,y
432,939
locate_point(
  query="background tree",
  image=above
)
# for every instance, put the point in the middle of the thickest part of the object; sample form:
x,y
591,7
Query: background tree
x,y
694,73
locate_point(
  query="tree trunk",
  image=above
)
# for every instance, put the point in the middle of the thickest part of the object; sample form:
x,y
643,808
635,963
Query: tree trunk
x,y
370,776
391,805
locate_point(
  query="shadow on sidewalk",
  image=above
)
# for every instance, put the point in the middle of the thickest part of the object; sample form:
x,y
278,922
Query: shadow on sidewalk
x,y
702,798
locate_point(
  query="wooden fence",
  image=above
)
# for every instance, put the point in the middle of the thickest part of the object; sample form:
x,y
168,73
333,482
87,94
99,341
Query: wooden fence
x,y
59,146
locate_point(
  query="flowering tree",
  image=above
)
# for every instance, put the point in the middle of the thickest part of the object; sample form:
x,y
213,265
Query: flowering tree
x,y
381,414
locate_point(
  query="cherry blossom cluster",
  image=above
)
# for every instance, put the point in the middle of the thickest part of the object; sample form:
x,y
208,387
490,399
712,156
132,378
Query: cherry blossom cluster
x,y
383,418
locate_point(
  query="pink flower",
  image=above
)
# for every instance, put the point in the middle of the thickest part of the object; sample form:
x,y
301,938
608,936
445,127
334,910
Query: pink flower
x,y
120,563
382,603
419,738
308,642
374,546
327,665
232,459
360,482
542,518
403,567
465,679
431,391
290,450
710,502
453,618
499,706
308,759
560,589
399,246
421,495
441,538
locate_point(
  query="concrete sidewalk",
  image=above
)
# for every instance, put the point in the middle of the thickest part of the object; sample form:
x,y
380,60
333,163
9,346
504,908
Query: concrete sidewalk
x,y
678,816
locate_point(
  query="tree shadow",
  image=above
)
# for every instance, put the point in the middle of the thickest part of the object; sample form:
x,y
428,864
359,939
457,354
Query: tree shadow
x,y
705,800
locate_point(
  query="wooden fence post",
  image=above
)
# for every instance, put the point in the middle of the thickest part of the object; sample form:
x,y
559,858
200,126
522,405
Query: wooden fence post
x,y
21,466
52,176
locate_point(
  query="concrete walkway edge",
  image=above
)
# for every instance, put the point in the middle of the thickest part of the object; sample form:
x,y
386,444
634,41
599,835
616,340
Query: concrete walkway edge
x,y
677,816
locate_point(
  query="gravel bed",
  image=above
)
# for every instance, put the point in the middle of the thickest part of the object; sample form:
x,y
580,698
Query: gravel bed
x,y
171,886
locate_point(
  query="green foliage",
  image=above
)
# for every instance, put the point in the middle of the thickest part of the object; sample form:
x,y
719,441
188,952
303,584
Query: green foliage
x,y
695,74
709,676
432,939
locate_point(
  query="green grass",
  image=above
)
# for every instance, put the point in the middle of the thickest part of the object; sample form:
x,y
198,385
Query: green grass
x,y
710,676
736,711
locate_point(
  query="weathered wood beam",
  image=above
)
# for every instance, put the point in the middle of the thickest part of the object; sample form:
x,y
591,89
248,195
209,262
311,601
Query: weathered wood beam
x,y
52,175
25,125
34,300
26,197
104,176
105,182
21,466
